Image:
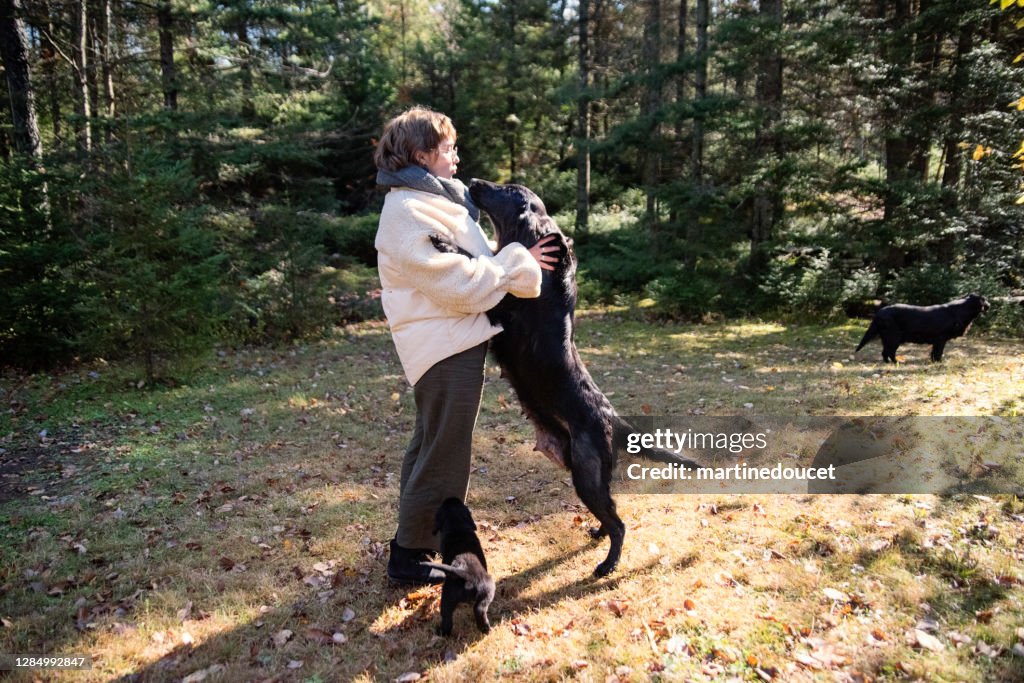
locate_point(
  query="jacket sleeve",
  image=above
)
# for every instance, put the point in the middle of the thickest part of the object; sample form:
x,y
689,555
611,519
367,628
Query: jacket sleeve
x,y
468,285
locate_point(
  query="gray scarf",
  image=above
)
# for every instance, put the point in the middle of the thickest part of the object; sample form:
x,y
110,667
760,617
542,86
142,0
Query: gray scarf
x,y
418,178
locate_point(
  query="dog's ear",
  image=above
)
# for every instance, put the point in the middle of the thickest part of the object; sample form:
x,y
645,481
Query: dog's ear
x,y
528,228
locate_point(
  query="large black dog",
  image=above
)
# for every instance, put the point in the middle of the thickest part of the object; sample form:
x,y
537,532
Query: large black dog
x,y
576,425
464,564
900,324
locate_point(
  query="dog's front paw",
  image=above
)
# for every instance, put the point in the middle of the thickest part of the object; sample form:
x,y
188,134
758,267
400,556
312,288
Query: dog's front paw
x,y
605,568
597,533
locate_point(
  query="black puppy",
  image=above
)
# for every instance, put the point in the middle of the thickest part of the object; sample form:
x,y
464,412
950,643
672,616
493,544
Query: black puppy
x,y
900,324
464,565
575,424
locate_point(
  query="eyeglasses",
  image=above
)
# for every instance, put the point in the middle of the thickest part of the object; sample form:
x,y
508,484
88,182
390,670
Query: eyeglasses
x,y
453,151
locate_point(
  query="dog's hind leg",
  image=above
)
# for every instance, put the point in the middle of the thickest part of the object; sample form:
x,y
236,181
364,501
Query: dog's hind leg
x,y
889,346
591,476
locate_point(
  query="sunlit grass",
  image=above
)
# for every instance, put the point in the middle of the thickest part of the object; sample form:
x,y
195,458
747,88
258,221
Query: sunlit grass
x,y
174,530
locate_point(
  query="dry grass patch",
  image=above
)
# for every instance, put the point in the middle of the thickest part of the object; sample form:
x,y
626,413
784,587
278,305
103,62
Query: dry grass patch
x,y
235,528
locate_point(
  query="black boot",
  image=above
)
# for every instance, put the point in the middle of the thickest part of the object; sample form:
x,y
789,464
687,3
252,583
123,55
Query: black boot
x,y
404,566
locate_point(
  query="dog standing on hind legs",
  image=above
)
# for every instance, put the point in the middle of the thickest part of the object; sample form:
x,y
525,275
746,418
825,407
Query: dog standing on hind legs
x,y
576,426
464,565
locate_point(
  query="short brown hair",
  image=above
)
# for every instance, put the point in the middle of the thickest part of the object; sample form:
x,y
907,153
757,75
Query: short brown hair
x,y
416,130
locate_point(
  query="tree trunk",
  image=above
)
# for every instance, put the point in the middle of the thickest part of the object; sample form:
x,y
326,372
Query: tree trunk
x,y
81,69
767,209
953,154
926,61
14,50
107,68
512,118
680,57
681,23
694,231
49,61
651,105
700,91
168,71
898,148
246,51
583,124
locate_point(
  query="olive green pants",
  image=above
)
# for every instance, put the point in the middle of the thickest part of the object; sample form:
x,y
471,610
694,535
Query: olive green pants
x,y
437,462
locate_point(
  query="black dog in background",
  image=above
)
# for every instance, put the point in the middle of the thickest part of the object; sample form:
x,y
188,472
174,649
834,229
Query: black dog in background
x,y
900,324
576,426
464,565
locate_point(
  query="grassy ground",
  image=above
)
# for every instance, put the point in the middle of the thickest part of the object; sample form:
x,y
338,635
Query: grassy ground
x,y
235,528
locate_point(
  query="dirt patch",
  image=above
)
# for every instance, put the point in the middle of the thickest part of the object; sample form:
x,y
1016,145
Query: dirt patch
x,y
46,468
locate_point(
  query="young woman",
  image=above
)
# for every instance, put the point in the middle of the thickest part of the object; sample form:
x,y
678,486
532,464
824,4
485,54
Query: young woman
x,y
435,305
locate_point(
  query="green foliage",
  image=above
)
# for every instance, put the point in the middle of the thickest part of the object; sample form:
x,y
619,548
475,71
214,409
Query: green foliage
x,y
38,317
151,269
891,173
689,295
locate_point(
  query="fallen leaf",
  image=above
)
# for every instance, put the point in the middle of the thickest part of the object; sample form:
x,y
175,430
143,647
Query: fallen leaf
x,y
616,607
835,595
725,654
319,635
984,648
282,637
928,641
521,629
203,674
677,645
348,615
806,660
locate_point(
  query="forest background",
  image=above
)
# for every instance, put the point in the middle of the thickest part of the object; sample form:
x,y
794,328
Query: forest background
x,y
181,173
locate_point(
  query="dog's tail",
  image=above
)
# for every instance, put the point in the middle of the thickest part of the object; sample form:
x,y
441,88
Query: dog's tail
x,y
447,568
462,572
869,335
621,431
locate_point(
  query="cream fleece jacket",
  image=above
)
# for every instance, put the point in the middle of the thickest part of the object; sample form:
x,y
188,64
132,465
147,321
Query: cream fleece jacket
x,y
435,302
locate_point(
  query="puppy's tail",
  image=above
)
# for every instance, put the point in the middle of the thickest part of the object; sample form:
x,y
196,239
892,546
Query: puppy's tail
x,y
447,568
869,335
463,572
620,440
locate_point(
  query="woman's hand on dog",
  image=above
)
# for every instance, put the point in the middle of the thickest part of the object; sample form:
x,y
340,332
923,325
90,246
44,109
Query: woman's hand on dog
x,y
541,250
